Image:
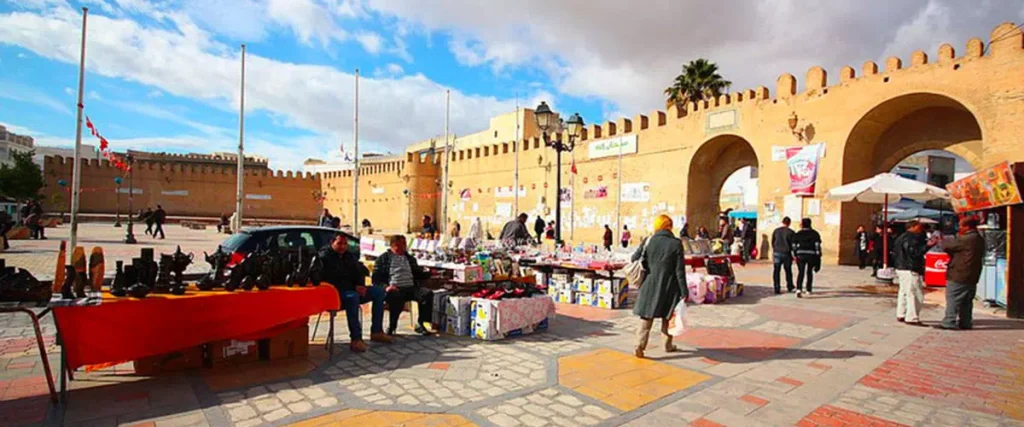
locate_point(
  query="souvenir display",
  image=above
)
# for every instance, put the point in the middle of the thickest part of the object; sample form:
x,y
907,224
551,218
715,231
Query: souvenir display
x,y
18,285
119,287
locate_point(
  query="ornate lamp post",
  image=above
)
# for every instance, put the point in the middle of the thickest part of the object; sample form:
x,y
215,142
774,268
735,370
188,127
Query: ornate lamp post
x,y
117,191
129,237
547,123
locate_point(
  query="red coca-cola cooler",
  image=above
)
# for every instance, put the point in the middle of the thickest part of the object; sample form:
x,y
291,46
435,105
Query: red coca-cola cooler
x,y
935,264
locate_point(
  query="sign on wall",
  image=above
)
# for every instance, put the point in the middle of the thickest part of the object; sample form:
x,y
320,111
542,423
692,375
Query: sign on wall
x,y
803,168
174,193
599,192
636,192
465,194
503,210
508,192
377,190
722,120
565,196
779,152
258,196
133,190
625,144
987,188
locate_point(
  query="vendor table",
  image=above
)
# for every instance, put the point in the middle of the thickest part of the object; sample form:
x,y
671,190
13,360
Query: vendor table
x,y
123,329
39,341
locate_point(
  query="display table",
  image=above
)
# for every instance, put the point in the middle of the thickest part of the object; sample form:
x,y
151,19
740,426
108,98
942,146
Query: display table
x,y
125,329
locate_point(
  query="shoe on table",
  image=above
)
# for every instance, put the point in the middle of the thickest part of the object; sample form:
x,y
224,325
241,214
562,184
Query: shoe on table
x,y
381,338
357,346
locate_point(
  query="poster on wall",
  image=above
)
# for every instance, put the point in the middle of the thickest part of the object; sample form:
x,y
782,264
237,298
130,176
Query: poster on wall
x,y
625,144
258,196
508,192
465,194
803,168
636,192
793,207
565,196
598,192
174,193
779,152
377,190
987,188
503,210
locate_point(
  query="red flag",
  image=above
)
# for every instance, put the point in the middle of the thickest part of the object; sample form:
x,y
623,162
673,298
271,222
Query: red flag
x,y
88,124
104,144
573,169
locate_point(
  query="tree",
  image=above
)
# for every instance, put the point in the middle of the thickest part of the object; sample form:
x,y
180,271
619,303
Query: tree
x,y
699,81
23,180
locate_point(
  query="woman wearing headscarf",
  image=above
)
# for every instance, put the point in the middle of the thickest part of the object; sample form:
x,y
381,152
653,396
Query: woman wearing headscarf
x,y
665,283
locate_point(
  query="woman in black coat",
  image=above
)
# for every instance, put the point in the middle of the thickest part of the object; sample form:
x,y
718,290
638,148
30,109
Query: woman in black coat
x,y
665,283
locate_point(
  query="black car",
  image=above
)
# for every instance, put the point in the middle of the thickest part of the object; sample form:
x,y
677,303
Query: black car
x,y
250,239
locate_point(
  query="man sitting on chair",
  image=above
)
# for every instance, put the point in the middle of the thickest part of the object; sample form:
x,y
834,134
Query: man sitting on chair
x,y
344,271
397,272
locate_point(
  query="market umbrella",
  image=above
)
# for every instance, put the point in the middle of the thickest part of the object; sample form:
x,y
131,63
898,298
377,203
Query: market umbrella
x,y
879,189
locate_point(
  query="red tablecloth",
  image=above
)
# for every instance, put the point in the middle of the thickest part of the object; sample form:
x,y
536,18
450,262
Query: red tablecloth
x,y
125,329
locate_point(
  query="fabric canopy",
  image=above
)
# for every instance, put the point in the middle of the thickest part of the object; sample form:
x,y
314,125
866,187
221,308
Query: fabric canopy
x,y
125,329
875,190
922,213
743,214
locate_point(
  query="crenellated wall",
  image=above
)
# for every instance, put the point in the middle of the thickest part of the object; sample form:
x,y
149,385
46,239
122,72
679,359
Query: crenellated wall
x,y
183,190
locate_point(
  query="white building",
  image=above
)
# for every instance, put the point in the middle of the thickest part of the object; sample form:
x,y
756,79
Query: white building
x,y
11,142
88,152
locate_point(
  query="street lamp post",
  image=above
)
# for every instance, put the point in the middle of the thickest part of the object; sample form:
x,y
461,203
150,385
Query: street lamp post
x,y
117,212
546,123
129,237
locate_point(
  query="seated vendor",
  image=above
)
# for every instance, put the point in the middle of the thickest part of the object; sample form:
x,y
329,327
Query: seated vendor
x,y
397,272
345,272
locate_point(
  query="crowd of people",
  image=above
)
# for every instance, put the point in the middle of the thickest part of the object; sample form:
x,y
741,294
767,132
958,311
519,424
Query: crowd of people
x,y
155,220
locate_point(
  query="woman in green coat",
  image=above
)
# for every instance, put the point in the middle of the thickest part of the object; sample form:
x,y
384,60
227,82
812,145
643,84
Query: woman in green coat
x,y
664,285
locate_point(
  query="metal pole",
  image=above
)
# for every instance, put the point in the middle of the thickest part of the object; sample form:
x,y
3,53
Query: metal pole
x,y
447,155
618,201
117,212
355,173
558,191
240,189
76,178
885,233
129,237
515,149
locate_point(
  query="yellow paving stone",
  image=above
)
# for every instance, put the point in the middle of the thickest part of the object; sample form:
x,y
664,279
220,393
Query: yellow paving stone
x,y
383,418
622,380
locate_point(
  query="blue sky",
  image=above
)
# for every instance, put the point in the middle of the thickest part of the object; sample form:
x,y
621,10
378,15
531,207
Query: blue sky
x,y
163,75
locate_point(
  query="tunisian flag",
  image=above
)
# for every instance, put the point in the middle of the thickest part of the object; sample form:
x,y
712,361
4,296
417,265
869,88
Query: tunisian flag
x,y
573,167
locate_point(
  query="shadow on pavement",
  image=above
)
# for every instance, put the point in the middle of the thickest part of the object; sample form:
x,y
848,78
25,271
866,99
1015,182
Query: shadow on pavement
x,y
761,354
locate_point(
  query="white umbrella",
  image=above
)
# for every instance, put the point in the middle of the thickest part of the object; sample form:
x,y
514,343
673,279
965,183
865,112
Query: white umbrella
x,y
879,189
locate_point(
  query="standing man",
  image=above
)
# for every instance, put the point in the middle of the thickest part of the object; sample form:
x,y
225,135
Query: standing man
x,y
343,270
966,253
6,223
782,255
607,238
148,216
325,219
908,259
875,246
159,217
397,272
514,232
538,227
807,250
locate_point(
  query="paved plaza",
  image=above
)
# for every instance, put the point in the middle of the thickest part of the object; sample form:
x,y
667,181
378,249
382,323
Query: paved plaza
x,y
838,358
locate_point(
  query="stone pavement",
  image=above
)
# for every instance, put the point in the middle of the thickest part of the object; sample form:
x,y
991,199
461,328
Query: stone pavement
x,y
837,358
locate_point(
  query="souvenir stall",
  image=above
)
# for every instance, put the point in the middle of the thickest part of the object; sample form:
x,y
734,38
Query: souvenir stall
x,y
994,195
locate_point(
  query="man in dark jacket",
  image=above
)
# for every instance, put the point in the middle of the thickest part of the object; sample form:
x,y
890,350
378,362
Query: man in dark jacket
x,y
966,253
398,273
148,216
538,227
514,232
807,250
876,244
782,255
606,240
6,223
908,260
344,271
159,218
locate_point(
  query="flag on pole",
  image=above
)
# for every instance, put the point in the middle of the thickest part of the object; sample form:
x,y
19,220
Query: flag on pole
x,y
573,167
88,124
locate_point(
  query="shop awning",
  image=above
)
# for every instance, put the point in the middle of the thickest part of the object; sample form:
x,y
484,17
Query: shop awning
x,y
743,214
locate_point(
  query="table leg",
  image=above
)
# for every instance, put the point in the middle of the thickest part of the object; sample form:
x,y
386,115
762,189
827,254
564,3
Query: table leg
x,y
42,353
330,336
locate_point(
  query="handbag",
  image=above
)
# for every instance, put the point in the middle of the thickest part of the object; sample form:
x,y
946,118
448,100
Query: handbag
x,y
634,271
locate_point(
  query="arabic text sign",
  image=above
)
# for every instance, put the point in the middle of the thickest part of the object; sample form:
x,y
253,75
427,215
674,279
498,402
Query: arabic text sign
x,y
625,144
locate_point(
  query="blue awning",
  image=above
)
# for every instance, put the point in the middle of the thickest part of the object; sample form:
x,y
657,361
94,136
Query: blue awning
x,y
743,214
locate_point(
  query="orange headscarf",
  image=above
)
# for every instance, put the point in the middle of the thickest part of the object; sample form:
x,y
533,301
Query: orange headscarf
x,y
662,222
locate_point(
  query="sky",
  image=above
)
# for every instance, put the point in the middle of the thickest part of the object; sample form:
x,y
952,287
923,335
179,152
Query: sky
x,y
164,75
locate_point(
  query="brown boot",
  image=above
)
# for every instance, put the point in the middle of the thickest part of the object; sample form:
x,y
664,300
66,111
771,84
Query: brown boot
x,y
638,352
357,346
381,338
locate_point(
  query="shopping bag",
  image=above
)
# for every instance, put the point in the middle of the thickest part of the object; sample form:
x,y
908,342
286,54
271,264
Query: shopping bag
x,y
679,322
634,271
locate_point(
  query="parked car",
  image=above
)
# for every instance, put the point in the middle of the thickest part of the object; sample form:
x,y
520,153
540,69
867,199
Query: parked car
x,y
250,239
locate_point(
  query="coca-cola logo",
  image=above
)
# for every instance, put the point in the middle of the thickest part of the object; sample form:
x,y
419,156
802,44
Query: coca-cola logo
x,y
941,264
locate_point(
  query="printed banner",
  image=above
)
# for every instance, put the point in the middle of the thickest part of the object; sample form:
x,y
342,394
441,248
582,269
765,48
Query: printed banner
x,y
508,192
987,188
377,190
625,144
565,196
636,192
174,193
599,192
803,168
503,210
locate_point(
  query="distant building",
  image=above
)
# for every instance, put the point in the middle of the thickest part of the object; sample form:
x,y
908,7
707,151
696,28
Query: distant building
x,y
11,142
88,152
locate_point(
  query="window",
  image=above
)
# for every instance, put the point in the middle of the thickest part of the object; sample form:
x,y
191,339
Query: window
x,y
495,134
294,239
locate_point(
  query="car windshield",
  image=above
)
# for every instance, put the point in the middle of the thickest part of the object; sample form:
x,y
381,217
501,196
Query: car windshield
x,y
234,242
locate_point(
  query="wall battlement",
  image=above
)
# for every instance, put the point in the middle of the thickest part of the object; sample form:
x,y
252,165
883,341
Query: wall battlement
x,y
196,171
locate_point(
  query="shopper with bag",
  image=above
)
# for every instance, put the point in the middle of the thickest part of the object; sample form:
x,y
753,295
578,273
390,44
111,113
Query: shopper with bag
x,y
664,286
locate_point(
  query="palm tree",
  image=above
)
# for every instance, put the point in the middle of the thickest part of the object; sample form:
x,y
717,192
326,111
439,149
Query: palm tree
x,y
699,81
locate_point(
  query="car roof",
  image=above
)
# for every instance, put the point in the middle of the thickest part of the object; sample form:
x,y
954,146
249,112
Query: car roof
x,y
286,228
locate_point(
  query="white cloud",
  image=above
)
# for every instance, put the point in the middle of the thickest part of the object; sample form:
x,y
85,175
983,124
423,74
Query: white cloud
x,y
371,42
21,93
20,130
68,91
94,95
154,94
21,56
389,70
307,19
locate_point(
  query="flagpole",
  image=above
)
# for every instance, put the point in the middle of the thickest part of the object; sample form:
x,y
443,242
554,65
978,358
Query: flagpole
x,y
515,149
447,156
618,201
572,199
240,189
76,179
355,172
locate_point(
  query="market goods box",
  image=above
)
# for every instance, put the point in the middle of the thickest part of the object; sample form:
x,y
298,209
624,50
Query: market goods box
x,y
457,315
611,301
542,278
589,300
440,298
528,329
190,358
584,284
485,322
232,352
610,286
553,291
469,274
290,343
566,297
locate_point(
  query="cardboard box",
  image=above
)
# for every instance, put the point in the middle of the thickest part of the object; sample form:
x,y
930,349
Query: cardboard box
x,y
175,361
469,274
584,284
290,343
610,286
610,301
232,352
457,316
589,300
566,297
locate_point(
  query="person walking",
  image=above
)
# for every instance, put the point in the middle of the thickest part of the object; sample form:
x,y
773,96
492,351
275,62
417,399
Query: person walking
x,y
6,224
626,236
875,246
861,239
782,255
37,210
908,259
966,252
159,217
663,287
807,250
148,217
726,233
606,240
538,227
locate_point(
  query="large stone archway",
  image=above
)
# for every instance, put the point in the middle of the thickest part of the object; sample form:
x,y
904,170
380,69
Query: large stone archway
x,y
894,130
711,165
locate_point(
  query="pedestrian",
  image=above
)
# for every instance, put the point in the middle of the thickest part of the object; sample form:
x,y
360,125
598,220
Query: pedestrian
x,y
607,238
538,227
747,236
30,219
325,219
476,231
428,230
782,255
725,232
626,236
6,223
703,233
549,231
148,216
223,226
453,229
909,250
966,253
37,210
335,222
514,232
366,226
342,269
398,273
663,287
159,217
684,233
875,247
861,239
807,250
